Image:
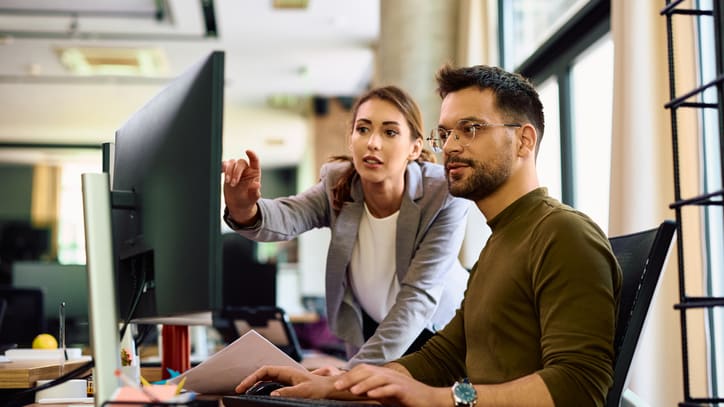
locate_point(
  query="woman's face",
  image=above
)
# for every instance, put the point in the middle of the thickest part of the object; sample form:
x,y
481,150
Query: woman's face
x,y
382,143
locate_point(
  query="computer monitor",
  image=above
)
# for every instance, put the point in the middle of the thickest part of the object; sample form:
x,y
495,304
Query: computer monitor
x,y
152,222
166,198
60,283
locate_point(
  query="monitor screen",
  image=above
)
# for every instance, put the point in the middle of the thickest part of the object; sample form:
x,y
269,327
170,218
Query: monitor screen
x,y
59,283
166,198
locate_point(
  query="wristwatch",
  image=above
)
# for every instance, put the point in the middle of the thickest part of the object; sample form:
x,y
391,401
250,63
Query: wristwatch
x,y
464,394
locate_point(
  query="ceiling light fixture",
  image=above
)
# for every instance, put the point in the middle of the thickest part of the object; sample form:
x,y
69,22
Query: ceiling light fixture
x,y
113,61
290,4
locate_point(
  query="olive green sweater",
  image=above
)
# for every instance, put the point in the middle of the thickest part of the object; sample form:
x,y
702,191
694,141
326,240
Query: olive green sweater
x,y
542,298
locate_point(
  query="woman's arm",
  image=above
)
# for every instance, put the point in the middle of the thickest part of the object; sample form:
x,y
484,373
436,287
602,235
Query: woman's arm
x,y
288,217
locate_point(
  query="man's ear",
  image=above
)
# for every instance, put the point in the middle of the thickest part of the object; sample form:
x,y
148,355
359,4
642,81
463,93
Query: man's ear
x,y
528,138
416,150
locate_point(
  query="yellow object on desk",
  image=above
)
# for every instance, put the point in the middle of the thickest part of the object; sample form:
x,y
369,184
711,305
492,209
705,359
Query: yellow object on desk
x,y
45,341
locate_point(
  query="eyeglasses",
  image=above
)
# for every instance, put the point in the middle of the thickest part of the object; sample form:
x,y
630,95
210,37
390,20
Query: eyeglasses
x,y
464,133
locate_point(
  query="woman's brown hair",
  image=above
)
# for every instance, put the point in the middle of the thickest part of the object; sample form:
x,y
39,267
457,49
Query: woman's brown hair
x,y
409,108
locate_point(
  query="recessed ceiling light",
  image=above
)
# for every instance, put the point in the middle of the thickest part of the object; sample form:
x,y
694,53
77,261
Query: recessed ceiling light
x,y
114,61
290,4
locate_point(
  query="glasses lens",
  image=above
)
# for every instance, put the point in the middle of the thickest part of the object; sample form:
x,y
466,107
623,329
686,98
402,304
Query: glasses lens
x,y
434,142
466,131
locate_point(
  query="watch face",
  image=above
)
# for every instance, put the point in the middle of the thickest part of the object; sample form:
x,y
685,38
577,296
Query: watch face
x,y
465,393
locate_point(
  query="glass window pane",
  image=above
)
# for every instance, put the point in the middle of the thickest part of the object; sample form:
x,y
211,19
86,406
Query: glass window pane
x,y
592,100
528,23
712,182
71,237
549,155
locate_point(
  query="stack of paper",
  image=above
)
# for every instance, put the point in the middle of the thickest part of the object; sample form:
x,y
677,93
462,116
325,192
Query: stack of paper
x,y
221,372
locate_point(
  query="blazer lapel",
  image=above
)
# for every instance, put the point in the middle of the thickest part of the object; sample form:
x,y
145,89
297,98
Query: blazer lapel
x,y
344,236
408,220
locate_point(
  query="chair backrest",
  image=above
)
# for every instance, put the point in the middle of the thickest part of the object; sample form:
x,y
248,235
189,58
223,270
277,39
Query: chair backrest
x,y
3,306
270,322
24,317
641,257
247,283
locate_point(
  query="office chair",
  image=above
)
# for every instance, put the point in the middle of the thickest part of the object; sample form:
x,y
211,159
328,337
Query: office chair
x,y
270,322
24,316
247,283
3,306
641,256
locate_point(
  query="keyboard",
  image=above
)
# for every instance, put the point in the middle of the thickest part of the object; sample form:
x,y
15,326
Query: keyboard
x,y
245,400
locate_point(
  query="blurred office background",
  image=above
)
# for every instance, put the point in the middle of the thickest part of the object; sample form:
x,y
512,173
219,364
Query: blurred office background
x,y
71,72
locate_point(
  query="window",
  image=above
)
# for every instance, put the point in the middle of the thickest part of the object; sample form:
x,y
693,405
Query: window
x,y
549,155
71,237
564,47
712,170
591,118
527,23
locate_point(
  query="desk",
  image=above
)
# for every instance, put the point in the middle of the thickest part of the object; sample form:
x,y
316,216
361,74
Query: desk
x,y
24,374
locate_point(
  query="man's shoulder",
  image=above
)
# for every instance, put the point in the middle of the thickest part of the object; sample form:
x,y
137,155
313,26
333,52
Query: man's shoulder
x,y
563,220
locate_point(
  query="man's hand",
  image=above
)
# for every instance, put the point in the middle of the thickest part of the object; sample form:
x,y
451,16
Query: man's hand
x,y
242,187
391,387
300,383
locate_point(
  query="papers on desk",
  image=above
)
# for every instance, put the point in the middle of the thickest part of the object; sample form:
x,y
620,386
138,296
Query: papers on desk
x,y
221,372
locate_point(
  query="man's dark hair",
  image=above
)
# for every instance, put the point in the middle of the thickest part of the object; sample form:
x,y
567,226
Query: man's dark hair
x,y
514,94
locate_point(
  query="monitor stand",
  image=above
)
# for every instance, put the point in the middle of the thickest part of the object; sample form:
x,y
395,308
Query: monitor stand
x,y
101,293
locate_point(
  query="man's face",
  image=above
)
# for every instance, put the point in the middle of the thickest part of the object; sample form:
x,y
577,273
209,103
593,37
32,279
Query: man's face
x,y
478,170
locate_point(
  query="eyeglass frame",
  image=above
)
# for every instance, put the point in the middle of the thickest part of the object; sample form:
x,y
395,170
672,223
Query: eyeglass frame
x,y
435,133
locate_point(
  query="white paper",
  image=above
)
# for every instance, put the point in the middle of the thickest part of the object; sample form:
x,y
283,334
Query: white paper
x,y
225,369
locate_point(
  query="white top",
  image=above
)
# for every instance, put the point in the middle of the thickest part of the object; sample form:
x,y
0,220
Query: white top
x,y
372,267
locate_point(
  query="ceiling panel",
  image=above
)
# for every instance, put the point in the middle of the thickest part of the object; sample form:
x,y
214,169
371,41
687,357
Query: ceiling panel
x,y
325,49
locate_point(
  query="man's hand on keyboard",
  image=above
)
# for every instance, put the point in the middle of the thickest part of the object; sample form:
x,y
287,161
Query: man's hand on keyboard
x,y
300,383
390,387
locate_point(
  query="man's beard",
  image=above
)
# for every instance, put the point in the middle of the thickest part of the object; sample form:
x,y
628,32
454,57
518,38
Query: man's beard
x,y
484,180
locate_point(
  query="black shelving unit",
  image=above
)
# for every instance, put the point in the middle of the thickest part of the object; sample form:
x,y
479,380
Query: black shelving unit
x,y
686,302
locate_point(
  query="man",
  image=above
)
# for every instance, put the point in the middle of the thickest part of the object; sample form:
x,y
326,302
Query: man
x,y
536,326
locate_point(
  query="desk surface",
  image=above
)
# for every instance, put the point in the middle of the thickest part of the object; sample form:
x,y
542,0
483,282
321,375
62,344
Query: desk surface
x,y
24,374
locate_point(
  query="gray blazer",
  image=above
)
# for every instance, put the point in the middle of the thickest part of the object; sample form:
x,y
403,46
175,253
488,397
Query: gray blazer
x,y
430,229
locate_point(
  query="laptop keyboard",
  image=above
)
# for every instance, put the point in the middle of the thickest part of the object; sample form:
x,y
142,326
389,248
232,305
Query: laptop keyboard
x,y
245,400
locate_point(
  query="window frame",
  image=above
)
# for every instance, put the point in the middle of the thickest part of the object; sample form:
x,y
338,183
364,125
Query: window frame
x,y
555,57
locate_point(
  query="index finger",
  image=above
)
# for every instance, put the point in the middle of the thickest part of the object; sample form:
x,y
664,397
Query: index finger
x,y
277,373
249,380
253,159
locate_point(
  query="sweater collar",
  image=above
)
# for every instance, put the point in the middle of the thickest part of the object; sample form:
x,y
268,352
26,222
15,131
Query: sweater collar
x,y
520,205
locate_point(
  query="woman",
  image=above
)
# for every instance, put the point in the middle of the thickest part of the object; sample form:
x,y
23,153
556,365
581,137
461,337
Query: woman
x,y
393,277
